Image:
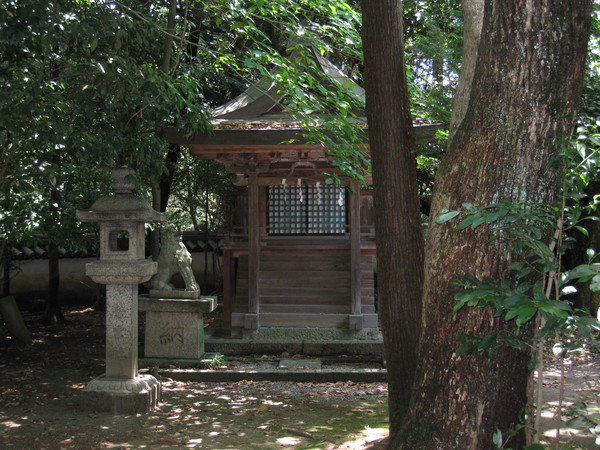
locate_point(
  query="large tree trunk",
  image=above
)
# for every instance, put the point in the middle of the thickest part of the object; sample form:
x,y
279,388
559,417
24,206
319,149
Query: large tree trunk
x,y
526,86
396,200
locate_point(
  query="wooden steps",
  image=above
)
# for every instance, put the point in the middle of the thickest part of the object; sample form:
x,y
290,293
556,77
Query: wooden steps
x,y
305,290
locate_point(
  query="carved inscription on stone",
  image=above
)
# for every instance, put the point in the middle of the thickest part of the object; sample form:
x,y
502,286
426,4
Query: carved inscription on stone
x,y
171,334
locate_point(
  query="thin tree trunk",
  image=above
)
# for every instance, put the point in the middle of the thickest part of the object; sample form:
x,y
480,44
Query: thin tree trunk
x,y
53,312
525,91
161,192
168,42
5,260
162,189
397,217
166,180
472,23
155,233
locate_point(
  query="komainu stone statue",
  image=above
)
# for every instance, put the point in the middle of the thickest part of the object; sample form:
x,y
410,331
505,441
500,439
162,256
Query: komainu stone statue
x,y
173,258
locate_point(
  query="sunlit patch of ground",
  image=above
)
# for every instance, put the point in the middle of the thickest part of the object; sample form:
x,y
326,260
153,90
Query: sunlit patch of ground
x,y
367,437
573,385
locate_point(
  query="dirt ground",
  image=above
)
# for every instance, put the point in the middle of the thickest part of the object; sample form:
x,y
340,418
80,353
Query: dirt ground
x,y
39,403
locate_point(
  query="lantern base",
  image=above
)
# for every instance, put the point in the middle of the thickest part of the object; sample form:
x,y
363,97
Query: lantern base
x,y
121,396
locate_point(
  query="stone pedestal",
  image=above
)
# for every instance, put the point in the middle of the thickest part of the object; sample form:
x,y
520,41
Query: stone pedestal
x,y
175,328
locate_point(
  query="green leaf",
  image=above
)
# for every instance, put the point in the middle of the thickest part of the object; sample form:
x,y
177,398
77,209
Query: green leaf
x,y
538,292
542,250
468,221
488,342
524,272
526,315
481,220
578,422
446,216
497,438
494,216
299,92
469,346
516,266
582,271
595,284
511,314
590,252
518,247
514,301
464,349
458,306
551,310
522,314
514,341
582,230
511,218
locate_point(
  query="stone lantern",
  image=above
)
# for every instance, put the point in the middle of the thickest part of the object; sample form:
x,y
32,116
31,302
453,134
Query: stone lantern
x,y
122,266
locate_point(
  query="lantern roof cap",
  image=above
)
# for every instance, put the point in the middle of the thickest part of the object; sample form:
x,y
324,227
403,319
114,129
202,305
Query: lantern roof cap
x,y
122,206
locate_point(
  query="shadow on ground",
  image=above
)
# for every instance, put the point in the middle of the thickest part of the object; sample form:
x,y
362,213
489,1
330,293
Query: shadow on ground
x,y
39,403
39,387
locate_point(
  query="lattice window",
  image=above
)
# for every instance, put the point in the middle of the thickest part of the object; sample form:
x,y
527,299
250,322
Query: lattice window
x,y
307,210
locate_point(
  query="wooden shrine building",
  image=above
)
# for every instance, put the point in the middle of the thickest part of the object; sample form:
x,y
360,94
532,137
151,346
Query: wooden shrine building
x,y
302,253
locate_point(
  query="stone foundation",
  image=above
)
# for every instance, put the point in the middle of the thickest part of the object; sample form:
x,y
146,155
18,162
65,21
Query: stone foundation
x,y
121,396
309,334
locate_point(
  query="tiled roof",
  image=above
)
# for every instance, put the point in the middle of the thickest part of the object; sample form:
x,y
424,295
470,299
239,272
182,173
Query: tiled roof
x,y
195,242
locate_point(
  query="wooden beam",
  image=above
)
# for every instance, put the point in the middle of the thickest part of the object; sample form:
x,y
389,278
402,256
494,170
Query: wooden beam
x,y
355,278
309,180
223,138
253,244
261,139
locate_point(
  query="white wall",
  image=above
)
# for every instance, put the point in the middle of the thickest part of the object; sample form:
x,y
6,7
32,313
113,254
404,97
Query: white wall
x,y
30,279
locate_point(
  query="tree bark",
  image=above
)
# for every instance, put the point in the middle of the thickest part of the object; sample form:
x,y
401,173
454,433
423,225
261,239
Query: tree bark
x,y
165,63
526,86
472,22
9,311
396,201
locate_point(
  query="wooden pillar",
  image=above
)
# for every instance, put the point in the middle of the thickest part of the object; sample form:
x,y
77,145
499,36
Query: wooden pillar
x,y
228,284
251,320
355,320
